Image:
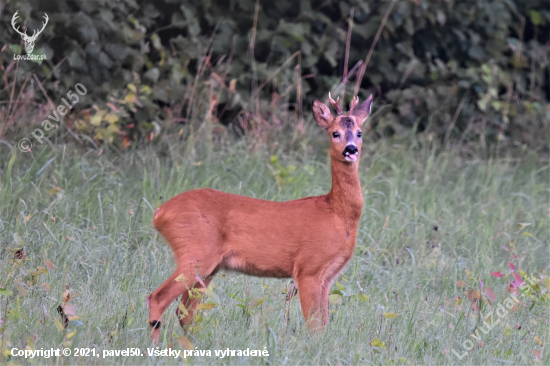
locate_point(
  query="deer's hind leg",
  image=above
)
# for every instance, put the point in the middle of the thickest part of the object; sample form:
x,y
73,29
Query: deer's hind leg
x,y
180,282
191,302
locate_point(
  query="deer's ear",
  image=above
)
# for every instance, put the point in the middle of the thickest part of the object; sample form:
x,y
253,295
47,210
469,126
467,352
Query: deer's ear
x,y
362,113
322,114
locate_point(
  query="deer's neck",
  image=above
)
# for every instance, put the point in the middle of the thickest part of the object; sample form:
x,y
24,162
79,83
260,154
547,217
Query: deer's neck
x,y
345,195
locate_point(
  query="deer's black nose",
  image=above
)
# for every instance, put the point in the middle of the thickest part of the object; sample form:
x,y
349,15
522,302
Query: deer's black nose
x,y
350,150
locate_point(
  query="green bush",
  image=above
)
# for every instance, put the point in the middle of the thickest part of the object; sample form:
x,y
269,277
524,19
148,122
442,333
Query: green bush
x,y
465,70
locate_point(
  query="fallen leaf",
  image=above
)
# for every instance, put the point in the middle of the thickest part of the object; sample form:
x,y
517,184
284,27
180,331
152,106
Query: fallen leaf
x,y
185,343
546,282
113,107
460,283
198,318
206,306
5,292
200,280
70,335
536,354
21,287
130,98
180,278
49,264
232,85
512,267
524,275
335,299
66,296
457,301
54,190
254,302
497,274
538,341
523,225
72,318
518,280
474,295
58,325
390,315
68,309
376,343
182,311
490,294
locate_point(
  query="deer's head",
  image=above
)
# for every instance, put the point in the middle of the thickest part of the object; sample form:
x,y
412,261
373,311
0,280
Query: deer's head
x,y
345,129
29,40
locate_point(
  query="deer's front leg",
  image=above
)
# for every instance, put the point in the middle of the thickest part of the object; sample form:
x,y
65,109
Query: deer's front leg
x,y
310,290
330,272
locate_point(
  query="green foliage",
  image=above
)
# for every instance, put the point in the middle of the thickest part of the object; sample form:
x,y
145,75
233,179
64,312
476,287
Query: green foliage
x,y
207,65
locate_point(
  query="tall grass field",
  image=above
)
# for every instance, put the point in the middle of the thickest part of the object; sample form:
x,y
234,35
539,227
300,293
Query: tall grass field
x,y
451,264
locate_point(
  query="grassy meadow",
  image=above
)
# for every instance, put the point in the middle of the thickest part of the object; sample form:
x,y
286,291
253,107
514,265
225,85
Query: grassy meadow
x,y
434,227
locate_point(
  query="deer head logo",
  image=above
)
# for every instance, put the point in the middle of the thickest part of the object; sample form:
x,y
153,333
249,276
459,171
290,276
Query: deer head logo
x,y
29,41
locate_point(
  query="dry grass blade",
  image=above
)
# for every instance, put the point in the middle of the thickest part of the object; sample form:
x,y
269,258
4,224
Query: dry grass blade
x,y
367,59
53,108
457,113
348,43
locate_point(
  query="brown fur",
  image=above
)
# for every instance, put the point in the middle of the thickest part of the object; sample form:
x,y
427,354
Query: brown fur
x,y
309,239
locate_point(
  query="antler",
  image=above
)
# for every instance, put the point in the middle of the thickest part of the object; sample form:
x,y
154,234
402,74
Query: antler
x,y
13,21
353,104
335,104
35,33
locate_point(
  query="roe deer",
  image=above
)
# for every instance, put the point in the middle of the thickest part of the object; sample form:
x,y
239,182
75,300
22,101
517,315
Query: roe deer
x,y
309,239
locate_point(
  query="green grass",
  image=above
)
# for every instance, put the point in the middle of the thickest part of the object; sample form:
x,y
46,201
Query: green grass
x,y
429,221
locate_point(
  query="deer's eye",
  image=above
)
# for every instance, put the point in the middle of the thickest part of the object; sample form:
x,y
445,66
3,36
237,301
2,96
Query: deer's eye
x,y
359,134
335,135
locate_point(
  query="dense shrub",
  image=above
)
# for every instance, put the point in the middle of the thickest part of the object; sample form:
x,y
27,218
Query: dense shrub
x,y
456,69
